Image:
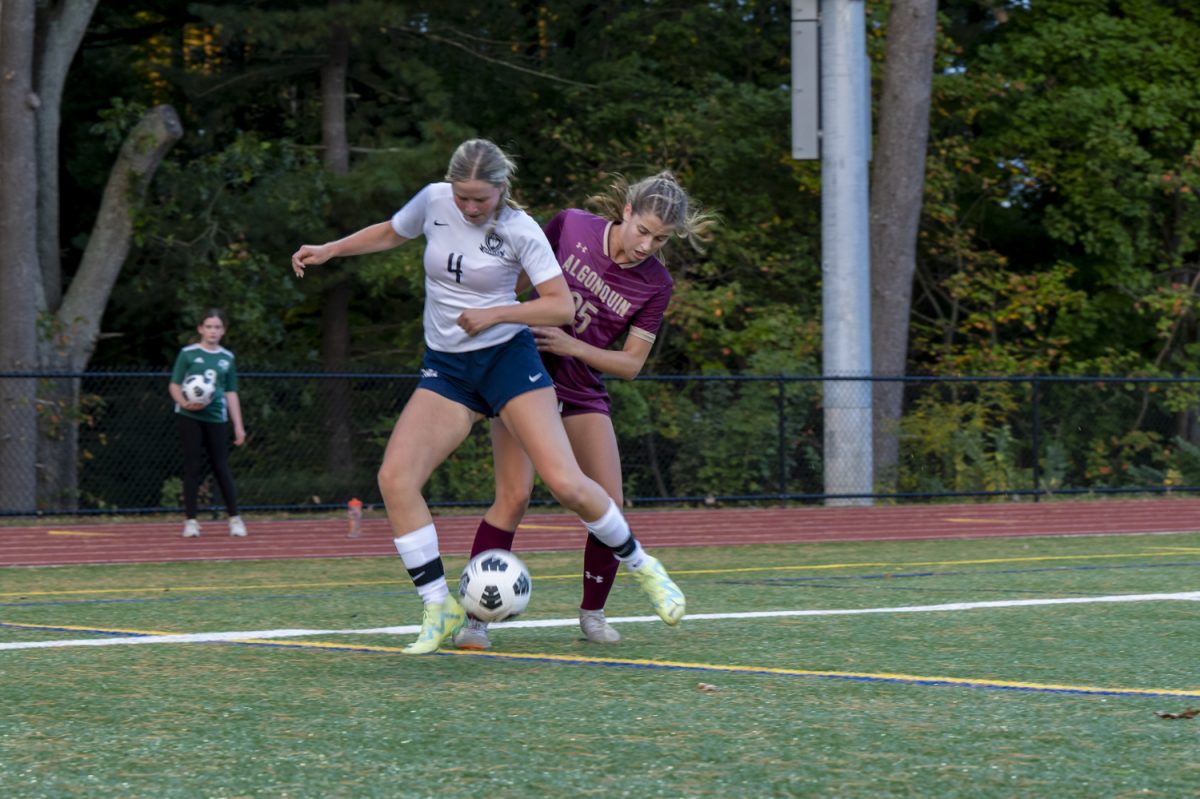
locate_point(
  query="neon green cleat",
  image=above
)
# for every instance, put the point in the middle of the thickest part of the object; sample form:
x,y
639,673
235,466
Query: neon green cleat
x,y
666,597
438,622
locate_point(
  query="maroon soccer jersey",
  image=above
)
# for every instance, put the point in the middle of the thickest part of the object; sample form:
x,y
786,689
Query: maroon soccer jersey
x,y
610,301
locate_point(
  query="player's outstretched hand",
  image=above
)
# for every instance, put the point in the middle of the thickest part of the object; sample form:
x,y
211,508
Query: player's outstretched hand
x,y
309,255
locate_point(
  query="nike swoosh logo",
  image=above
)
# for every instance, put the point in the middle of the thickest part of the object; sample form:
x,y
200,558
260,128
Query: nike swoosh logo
x,y
534,378
440,224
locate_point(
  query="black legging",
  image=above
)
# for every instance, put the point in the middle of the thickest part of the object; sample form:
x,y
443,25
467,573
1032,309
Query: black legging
x,y
197,437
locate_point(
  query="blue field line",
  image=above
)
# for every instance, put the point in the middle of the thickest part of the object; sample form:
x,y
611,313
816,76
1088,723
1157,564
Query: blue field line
x,y
926,589
816,579
912,575
220,598
709,669
267,639
49,628
864,678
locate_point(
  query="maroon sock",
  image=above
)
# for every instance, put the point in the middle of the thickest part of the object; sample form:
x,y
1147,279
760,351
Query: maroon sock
x,y
599,570
490,537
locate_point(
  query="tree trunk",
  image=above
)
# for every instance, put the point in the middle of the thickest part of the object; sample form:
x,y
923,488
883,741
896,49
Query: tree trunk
x,y
64,23
76,327
58,441
108,245
61,29
897,186
335,300
19,276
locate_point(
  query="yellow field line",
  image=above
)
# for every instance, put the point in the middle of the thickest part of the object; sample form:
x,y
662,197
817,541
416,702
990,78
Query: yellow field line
x,y
1167,551
964,682
889,677
170,589
105,630
914,564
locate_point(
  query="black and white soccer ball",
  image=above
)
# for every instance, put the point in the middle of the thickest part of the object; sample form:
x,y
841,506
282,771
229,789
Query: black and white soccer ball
x,y
199,388
495,585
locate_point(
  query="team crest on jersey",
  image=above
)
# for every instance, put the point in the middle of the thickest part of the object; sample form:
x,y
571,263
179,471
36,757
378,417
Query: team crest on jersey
x,y
493,245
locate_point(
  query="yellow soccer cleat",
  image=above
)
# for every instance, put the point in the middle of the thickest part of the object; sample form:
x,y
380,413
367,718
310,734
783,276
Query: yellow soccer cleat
x,y
666,597
438,622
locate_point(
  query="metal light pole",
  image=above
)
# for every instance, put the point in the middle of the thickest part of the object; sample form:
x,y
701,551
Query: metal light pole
x,y
845,244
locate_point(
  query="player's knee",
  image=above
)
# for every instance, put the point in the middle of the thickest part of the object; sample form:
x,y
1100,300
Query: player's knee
x,y
571,494
512,502
393,478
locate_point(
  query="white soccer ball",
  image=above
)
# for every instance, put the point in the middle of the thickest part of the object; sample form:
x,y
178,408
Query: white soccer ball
x,y
199,388
495,585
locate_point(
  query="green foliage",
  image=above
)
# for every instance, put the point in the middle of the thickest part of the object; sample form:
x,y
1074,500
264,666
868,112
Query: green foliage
x,y
1005,323
1179,465
1076,130
208,239
117,120
1060,232
962,440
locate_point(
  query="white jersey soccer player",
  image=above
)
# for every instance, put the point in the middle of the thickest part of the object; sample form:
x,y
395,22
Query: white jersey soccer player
x,y
471,266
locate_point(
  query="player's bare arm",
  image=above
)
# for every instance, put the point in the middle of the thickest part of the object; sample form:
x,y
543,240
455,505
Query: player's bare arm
x,y
235,417
625,363
374,238
552,306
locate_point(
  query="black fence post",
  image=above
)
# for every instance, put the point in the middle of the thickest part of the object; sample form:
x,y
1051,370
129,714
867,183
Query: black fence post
x,y
782,438
1037,440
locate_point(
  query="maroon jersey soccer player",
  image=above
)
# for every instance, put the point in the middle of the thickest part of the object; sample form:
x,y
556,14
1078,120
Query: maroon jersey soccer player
x,y
620,289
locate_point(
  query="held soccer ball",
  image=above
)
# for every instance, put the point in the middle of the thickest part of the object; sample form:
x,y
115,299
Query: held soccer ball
x,y
495,585
198,388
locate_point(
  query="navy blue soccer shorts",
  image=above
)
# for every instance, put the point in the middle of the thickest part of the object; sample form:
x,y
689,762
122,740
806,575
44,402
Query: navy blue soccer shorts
x,y
485,380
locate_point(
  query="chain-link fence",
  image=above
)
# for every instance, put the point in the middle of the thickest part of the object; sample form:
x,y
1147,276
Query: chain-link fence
x,y
107,441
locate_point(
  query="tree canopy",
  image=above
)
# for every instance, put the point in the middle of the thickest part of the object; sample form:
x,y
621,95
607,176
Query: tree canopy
x,y
1058,231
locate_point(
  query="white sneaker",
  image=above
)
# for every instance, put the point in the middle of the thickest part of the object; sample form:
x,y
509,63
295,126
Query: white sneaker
x,y
472,635
191,529
237,528
596,627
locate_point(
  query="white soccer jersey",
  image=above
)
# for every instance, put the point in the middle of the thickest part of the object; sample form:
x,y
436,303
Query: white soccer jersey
x,y
471,266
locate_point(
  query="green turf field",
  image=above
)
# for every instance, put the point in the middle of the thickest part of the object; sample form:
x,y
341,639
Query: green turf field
x,y
945,699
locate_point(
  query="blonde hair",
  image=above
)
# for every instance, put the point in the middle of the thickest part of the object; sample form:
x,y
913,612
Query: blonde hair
x,y
480,159
662,196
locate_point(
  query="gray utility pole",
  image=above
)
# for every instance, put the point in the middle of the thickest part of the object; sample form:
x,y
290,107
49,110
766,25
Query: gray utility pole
x,y
845,137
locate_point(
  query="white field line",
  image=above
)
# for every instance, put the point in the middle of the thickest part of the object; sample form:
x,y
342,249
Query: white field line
x,y
412,629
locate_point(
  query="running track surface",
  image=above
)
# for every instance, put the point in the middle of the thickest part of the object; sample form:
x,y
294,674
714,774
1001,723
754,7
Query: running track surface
x,y
65,543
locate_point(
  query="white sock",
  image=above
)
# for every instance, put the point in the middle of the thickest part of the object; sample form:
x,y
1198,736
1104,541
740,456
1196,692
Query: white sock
x,y
611,528
418,547
613,531
434,593
416,550
636,559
